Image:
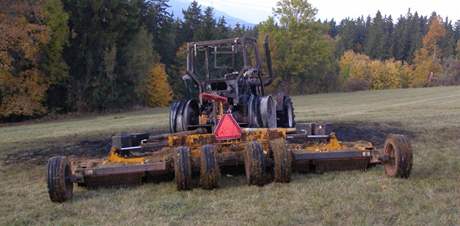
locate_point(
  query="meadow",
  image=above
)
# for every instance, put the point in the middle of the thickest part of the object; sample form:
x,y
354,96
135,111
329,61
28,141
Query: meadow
x,y
431,196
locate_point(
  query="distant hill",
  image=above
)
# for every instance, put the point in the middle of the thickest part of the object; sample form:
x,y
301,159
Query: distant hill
x,y
178,5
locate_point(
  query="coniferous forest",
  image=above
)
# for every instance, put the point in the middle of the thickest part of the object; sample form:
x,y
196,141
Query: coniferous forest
x,y
59,56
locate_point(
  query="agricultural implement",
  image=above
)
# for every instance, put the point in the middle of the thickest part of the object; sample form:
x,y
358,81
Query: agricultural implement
x,y
228,125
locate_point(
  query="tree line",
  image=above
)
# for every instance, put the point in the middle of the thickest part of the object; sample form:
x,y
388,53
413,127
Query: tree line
x,y
63,56
68,55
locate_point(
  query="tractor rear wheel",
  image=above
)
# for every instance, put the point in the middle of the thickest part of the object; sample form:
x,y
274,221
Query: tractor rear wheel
x,y
60,185
286,117
268,112
399,150
172,116
253,110
209,168
182,115
183,168
282,158
255,164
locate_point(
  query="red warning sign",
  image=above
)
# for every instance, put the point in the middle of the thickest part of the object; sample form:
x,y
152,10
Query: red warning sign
x,y
227,128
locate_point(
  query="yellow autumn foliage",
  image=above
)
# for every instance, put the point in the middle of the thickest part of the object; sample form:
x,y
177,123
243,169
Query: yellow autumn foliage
x,y
360,70
159,93
425,66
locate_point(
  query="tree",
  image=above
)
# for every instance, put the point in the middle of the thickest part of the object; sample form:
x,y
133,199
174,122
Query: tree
x,y
426,62
139,57
222,31
354,71
192,22
159,22
435,33
302,54
425,68
375,44
294,12
457,51
208,27
159,93
23,84
53,64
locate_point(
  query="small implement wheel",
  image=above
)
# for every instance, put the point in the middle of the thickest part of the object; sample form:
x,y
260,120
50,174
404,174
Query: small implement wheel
x,y
254,164
399,152
283,161
60,185
183,168
209,168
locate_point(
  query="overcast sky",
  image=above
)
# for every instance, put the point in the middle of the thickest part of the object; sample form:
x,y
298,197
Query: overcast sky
x,y
255,11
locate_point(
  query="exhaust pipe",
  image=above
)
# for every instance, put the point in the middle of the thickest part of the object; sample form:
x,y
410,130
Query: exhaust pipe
x,y
268,58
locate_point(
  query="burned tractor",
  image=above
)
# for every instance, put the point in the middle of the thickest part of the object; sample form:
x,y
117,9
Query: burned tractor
x,y
227,75
229,125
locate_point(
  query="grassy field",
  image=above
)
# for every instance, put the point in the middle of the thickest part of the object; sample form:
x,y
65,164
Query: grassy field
x,y
431,196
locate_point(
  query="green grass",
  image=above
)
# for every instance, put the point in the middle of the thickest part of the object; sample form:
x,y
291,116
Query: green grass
x,y
431,196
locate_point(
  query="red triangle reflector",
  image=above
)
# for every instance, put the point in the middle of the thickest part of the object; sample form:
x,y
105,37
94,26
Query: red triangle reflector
x,y
227,128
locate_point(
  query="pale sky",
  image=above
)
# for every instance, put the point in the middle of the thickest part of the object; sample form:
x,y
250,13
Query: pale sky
x,y
255,11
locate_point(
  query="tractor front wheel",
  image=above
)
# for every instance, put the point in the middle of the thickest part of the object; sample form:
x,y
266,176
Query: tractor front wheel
x,y
209,168
399,152
255,164
60,184
183,168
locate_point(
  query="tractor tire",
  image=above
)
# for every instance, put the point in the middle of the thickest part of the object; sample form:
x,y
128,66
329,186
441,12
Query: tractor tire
x,y
282,159
209,168
268,112
173,116
255,164
183,168
399,150
253,120
60,185
180,117
286,117
190,115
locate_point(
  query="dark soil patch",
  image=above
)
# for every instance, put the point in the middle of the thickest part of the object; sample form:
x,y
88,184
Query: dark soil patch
x,y
94,148
87,148
373,132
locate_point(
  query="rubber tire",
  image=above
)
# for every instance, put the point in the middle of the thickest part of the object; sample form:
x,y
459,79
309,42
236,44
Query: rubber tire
x,y
282,159
399,146
252,112
268,112
209,167
180,117
183,168
190,114
60,186
255,164
288,111
172,116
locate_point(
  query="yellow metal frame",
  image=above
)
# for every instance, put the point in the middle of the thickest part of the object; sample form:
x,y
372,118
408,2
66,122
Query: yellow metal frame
x,y
114,157
262,135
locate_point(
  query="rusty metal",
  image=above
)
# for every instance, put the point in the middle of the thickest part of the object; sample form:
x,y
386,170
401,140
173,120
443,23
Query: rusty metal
x,y
237,85
308,152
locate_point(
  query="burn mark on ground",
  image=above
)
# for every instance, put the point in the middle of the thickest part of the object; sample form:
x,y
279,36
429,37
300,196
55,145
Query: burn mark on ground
x,y
97,148
89,148
373,132
39,156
